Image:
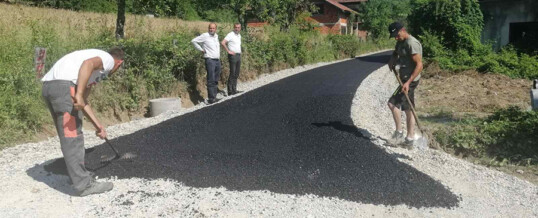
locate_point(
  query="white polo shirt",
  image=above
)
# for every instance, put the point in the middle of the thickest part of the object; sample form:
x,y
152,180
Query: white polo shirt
x,y
209,44
234,42
68,66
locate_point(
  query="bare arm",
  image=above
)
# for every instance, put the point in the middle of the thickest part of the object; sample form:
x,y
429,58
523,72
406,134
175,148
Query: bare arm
x,y
99,129
224,44
417,58
88,66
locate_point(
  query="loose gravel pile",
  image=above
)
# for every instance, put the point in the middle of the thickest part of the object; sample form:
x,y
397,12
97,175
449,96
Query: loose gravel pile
x,y
29,190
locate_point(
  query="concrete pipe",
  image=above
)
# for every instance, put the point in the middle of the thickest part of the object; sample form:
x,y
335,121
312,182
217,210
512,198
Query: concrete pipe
x,y
160,105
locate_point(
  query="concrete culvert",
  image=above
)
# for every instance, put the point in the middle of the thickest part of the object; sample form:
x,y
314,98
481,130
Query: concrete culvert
x,y
161,105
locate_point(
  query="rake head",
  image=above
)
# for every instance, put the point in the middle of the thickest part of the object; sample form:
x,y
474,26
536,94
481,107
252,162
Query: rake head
x,y
126,156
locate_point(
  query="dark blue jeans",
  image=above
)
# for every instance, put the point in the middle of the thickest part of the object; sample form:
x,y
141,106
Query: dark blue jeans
x,y
235,66
213,76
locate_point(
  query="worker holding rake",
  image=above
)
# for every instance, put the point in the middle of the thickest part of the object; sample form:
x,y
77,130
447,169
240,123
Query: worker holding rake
x,y
65,90
406,63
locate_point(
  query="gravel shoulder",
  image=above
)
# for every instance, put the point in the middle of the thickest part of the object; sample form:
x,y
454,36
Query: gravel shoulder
x,y
29,190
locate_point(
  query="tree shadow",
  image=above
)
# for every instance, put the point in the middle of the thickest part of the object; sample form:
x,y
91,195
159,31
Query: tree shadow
x,y
342,127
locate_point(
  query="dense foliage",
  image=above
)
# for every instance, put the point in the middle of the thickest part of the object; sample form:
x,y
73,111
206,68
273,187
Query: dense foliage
x,y
450,34
507,136
376,15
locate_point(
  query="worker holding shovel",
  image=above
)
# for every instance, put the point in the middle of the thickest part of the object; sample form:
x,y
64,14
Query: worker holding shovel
x,y
406,63
65,89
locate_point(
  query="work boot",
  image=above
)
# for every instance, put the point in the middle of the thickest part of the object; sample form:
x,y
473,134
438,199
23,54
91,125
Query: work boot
x,y
97,188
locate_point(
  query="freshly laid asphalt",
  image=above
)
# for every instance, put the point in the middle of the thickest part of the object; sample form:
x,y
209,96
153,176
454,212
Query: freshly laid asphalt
x,y
293,136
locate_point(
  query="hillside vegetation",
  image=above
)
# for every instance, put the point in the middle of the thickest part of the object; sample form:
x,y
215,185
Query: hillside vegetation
x,y
160,60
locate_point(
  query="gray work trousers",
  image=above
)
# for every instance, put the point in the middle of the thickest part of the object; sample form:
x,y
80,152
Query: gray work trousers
x,y
213,76
58,97
235,66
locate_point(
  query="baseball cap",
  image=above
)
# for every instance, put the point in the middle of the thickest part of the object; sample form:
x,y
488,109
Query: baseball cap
x,y
394,28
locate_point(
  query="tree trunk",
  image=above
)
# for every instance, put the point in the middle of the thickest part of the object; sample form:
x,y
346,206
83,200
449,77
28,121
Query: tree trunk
x,y
120,22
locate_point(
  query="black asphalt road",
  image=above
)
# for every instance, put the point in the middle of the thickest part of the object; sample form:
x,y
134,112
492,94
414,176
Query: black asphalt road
x,y
293,136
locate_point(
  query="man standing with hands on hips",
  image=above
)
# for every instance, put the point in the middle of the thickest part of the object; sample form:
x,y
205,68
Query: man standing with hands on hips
x,y
232,44
208,44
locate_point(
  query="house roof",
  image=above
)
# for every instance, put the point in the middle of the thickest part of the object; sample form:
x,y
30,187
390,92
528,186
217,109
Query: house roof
x,y
338,5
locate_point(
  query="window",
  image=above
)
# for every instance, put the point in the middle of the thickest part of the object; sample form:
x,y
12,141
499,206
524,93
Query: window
x,y
524,36
343,30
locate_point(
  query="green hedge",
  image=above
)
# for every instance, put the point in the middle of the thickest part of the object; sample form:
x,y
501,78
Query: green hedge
x,y
507,136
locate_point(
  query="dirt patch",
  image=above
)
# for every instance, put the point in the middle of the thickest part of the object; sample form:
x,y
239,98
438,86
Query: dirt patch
x,y
469,92
444,97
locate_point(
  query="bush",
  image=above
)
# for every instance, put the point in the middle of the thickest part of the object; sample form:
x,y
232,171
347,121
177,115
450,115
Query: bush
x,y
348,45
509,135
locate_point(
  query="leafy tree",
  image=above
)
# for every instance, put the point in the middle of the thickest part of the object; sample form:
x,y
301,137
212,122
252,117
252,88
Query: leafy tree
x,y
183,9
458,22
378,14
281,12
218,11
241,8
120,21
107,6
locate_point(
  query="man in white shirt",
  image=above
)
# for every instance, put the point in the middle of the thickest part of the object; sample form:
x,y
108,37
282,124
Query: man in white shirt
x,y
66,88
208,44
232,44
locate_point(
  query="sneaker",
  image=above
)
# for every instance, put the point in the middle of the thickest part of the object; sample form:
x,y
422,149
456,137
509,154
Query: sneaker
x,y
97,188
409,141
397,135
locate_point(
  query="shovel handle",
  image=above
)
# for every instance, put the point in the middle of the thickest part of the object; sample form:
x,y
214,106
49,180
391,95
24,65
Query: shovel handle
x,y
410,104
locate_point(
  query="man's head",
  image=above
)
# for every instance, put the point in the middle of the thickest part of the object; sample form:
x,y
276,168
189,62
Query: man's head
x,y
118,55
237,28
397,31
212,28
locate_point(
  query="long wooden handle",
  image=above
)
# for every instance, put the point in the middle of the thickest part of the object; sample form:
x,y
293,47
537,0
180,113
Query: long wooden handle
x,y
410,104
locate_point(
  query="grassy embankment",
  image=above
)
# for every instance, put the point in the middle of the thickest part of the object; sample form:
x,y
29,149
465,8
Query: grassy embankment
x,y
160,62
